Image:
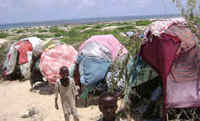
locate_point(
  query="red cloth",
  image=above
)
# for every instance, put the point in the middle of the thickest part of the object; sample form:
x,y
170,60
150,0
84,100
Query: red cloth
x,y
160,54
23,47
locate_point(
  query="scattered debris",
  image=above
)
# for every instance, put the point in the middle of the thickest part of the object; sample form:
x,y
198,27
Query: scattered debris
x,y
30,112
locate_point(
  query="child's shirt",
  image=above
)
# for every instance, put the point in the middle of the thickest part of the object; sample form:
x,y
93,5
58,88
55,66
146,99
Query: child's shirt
x,y
67,94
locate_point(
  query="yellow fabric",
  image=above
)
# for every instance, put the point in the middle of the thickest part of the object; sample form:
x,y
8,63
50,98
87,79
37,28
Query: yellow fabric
x,y
50,46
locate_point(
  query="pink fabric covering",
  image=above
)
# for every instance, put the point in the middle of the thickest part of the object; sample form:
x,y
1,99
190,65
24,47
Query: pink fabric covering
x,y
52,60
23,47
108,41
183,82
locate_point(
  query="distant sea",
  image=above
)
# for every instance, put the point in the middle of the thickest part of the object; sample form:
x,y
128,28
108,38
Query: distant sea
x,y
84,21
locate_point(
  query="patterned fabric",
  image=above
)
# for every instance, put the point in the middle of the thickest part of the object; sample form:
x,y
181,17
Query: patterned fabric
x,y
52,60
159,27
144,72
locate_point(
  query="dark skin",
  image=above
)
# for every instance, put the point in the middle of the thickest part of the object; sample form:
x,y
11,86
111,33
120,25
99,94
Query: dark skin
x,y
64,73
108,106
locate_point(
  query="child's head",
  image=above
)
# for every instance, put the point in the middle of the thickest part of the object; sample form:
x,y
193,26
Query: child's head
x,y
64,72
108,105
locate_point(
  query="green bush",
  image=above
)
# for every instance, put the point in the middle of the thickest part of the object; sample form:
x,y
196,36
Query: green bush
x,y
143,23
81,27
58,34
3,35
20,31
98,26
54,29
73,33
42,30
42,36
126,28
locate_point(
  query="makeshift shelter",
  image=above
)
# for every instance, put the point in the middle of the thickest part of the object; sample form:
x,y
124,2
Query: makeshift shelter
x,y
171,49
95,56
53,59
21,53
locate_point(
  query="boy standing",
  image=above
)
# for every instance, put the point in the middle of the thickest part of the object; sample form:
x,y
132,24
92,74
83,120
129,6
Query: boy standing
x,y
66,87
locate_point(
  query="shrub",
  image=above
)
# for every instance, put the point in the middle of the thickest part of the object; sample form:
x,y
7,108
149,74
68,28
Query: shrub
x,y
42,30
143,23
20,31
42,36
3,35
54,29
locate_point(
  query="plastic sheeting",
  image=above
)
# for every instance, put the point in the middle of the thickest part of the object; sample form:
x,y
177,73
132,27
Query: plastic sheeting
x,y
95,56
92,70
108,41
53,59
96,50
11,61
25,48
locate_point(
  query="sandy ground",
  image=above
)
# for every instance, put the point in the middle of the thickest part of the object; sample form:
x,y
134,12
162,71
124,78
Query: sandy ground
x,y
16,99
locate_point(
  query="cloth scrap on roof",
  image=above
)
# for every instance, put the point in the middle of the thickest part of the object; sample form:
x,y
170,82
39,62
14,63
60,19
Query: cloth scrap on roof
x,y
23,47
187,38
158,27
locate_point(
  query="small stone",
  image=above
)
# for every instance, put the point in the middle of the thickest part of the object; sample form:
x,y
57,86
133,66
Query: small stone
x,y
30,112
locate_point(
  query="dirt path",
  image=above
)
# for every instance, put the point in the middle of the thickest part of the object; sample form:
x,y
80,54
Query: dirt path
x,y
16,99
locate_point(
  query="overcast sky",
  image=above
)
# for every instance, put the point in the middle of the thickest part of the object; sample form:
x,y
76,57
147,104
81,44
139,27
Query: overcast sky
x,y
12,11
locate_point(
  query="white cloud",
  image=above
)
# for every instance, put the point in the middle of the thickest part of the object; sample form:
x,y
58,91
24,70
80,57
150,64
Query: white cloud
x,y
86,3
